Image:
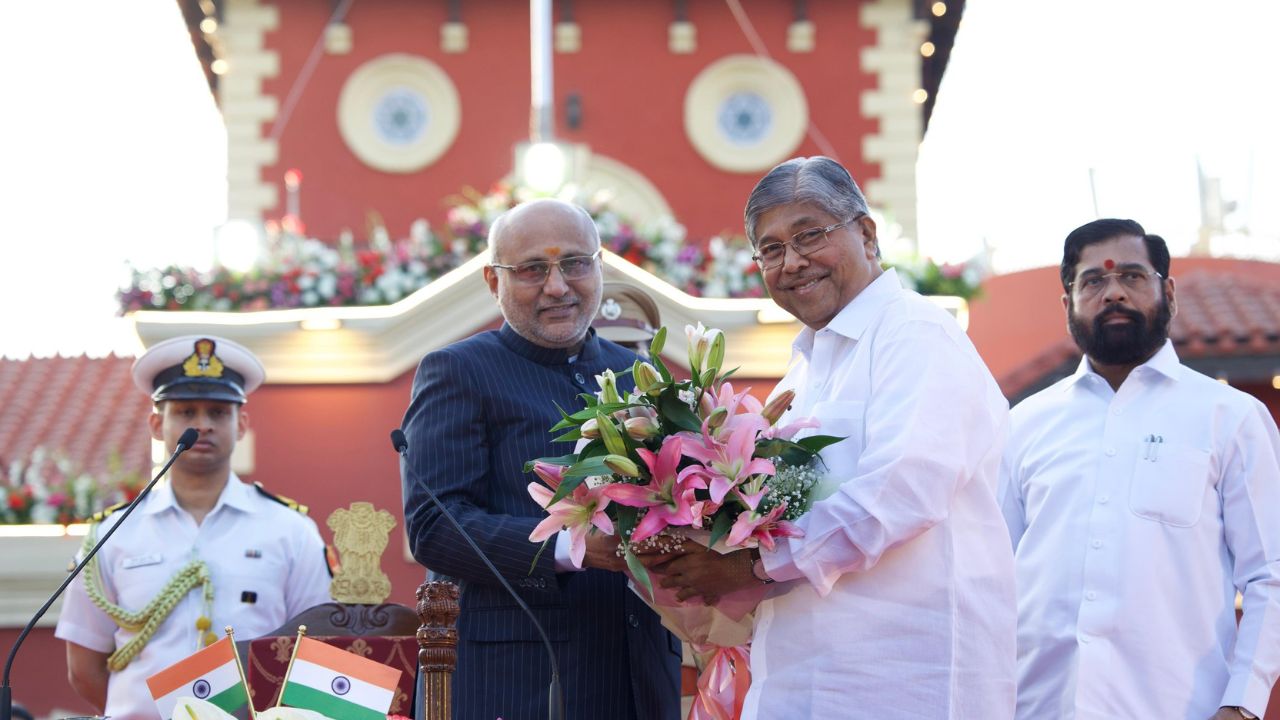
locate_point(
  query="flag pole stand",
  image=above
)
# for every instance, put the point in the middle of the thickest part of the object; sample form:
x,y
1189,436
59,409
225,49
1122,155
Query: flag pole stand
x,y
302,630
231,634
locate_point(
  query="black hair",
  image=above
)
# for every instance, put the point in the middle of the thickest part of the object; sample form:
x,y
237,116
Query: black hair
x,y
1105,229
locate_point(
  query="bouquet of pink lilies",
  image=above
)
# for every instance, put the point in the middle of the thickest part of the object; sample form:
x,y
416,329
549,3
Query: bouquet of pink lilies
x,y
679,460
676,456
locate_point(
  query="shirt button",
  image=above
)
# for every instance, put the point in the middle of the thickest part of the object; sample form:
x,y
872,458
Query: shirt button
x,y
1091,595
1104,499
633,621
1111,452
579,379
1096,543
1084,639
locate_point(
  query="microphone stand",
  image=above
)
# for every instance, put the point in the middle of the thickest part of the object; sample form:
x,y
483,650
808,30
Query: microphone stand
x,y
6,692
555,700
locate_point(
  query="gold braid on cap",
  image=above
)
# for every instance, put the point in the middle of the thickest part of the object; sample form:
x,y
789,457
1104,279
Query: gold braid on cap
x,y
146,621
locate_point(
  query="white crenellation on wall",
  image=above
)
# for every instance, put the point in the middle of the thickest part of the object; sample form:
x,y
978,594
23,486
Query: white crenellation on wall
x,y
246,111
895,61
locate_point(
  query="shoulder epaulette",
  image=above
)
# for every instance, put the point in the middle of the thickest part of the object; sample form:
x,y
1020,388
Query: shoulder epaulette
x,y
104,513
290,503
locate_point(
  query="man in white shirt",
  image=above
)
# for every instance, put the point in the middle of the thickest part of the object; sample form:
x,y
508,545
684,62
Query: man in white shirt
x,y
898,601
226,552
1141,496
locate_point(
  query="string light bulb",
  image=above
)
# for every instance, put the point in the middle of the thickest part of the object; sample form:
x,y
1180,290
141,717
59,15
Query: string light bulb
x,y
209,26
927,49
219,67
939,9
919,96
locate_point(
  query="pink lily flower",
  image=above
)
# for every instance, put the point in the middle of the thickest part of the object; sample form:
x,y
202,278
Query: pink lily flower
x,y
788,431
669,495
736,405
763,528
578,512
729,463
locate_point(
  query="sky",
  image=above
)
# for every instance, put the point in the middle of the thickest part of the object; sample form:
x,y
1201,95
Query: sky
x,y
113,149
1037,94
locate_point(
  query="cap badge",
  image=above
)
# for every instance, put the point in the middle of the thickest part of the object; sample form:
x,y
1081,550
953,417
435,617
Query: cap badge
x,y
203,363
611,310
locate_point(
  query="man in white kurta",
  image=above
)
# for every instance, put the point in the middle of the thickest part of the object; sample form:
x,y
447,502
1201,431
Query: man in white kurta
x,y
1141,496
898,601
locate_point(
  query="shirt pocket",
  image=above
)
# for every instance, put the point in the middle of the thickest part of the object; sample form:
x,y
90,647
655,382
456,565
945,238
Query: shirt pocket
x,y
843,419
138,581
1171,489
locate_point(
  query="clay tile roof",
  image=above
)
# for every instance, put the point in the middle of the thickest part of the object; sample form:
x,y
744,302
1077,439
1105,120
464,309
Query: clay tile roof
x,y
1223,313
87,408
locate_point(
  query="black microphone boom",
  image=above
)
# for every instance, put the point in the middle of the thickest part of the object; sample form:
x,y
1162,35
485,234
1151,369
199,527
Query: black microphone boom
x,y
185,442
556,694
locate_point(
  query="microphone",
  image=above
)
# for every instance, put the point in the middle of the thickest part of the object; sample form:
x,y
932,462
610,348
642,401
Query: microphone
x,y
556,694
185,442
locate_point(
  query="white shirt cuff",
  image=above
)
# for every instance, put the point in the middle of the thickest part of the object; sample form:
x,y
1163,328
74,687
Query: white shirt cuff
x,y
778,562
564,563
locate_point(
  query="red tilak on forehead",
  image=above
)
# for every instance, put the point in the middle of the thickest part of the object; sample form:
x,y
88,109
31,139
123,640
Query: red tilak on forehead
x,y
1108,263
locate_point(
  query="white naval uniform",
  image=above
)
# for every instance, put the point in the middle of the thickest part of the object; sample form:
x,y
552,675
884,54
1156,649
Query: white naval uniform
x,y
251,544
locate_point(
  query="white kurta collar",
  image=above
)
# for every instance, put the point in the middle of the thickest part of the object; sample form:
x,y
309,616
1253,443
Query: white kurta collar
x,y
854,319
1164,362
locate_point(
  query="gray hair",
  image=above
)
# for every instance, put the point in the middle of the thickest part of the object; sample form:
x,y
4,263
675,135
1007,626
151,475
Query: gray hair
x,y
818,180
509,216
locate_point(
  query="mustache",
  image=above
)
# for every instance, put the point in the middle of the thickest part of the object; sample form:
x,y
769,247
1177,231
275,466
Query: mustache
x,y
1137,317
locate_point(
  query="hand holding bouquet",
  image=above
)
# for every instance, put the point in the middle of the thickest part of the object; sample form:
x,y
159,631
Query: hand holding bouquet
x,y
677,458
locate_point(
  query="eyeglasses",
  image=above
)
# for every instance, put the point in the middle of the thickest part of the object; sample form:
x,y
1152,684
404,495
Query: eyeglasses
x,y
1134,280
805,242
575,267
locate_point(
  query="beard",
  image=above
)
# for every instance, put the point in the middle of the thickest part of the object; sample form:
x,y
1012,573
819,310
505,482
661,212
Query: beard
x,y
1130,344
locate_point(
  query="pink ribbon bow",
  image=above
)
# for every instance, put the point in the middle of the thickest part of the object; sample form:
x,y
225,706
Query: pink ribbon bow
x,y
722,686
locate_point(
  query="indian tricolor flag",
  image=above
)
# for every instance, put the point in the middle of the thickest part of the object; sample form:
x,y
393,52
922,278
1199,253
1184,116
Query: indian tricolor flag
x,y
211,675
338,683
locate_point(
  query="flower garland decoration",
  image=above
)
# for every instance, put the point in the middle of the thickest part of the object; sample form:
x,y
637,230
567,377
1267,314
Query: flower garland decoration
x,y
927,277
47,487
302,272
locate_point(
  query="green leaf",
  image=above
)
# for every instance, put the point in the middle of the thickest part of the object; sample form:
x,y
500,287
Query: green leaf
x,y
673,410
729,374
567,486
720,527
639,572
563,460
566,423
587,467
815,443
659,340
565,420
772,448
610,434
715,357
662,368
534,565
708,377
625,519
607,408
575,434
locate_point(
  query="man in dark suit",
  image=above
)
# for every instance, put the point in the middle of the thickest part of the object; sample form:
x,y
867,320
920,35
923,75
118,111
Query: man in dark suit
x,y
480,409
